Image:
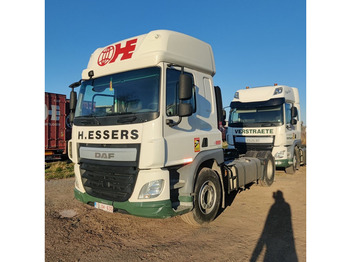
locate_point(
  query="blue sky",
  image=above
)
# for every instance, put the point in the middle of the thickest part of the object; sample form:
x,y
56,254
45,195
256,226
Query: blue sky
x,y
254,42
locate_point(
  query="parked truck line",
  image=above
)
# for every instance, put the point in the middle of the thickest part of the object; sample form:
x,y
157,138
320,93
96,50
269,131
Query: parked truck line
x,y
268,118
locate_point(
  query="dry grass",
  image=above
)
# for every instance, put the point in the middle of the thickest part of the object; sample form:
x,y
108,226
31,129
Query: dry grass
x,y
59,169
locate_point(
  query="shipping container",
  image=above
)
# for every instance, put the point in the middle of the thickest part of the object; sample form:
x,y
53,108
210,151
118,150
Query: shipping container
x,y
57,129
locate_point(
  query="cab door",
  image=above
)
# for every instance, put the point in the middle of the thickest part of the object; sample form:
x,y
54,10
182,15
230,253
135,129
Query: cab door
x,y
197,132
179,138
290,128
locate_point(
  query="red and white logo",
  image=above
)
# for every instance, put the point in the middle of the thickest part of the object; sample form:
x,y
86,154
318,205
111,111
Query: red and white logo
x,y
110,54
106,55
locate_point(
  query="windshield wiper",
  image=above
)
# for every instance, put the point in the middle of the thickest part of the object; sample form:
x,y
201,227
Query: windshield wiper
x,y
88,120
127,119
124,117
267,124
120,113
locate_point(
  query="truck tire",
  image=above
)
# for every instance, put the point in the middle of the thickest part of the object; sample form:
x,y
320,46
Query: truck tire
x,y
297,154
207,198
296,163
302,154
269,171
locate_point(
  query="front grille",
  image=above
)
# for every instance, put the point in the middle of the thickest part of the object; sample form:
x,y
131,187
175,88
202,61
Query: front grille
x,y
108,182
244,147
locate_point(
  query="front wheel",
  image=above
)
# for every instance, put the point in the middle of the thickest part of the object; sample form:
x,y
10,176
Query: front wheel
x,y
207,198
269,171
296,162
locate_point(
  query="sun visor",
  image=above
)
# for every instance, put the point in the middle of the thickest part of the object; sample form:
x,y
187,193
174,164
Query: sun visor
x,y
150,50
271,102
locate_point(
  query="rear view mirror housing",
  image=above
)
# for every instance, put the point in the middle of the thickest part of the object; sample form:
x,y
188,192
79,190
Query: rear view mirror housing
x,y
294,112
72,105
73,100
185,109
184,93
185,87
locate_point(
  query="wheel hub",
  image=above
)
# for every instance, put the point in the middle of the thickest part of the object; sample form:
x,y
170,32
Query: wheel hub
x,y
207,197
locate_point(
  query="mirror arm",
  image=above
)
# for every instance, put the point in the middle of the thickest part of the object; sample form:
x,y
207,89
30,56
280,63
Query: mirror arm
x,y
172,123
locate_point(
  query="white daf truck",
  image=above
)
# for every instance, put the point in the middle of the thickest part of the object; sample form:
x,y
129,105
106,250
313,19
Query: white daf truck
x,y
267,118
145,135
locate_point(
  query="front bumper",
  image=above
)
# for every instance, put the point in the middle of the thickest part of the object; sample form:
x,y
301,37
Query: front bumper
x,y
154,209
283,162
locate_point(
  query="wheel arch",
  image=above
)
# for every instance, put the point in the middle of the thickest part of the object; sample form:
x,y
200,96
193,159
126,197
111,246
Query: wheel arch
x,y
213,165
296,144
295,152
189,173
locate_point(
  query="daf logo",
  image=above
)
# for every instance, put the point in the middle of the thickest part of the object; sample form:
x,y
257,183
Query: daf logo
x,y
104,155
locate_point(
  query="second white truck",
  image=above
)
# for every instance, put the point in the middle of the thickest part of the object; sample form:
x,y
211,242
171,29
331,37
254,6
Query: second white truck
x,y
267,118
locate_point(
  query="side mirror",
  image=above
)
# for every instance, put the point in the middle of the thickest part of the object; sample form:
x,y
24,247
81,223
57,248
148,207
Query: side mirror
x,y
223,117
185,109
72,105
185,87
185,93
294,114
73,100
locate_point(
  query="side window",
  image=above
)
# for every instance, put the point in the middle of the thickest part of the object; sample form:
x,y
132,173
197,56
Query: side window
x,y
172,85
288,113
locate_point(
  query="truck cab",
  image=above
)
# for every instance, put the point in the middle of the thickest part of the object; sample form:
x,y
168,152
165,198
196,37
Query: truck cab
x,y
133,130
146,138
267,118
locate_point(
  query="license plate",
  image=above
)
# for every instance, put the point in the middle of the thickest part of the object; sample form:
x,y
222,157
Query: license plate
x,y
104,207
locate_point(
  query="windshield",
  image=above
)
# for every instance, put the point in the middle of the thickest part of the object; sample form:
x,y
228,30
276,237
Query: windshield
x,y
257,117
129,93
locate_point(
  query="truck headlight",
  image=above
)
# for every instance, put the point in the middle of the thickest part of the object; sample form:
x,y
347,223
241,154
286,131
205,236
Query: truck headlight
x,y
280,154
152,189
